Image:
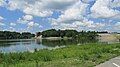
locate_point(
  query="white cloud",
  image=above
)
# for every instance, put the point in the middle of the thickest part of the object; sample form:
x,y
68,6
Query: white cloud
x,y
40,8
1,18
73,18
36,12
70,15
11,29
1,2
40,26
21,21
115,3
91,24
102,9
25,19
36,24
28,7
12,5
2,24
28,20
73,12
28,17
32,24
117,26
85,24
13,24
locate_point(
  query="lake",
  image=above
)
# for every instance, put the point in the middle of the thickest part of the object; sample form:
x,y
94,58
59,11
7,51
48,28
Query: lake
x,y
23,45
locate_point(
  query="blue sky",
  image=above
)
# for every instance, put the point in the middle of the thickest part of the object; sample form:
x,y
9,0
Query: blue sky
x,y
39,15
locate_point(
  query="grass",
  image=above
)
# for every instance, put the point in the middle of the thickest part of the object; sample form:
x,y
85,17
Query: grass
x,y
87,55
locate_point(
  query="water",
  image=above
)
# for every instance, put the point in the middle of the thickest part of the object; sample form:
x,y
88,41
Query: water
x,y
7,46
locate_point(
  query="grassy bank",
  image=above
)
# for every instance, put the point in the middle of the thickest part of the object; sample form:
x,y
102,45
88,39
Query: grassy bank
x,y
87,55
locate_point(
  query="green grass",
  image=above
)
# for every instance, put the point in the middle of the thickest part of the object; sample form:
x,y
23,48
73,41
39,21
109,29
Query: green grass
x,y
87,55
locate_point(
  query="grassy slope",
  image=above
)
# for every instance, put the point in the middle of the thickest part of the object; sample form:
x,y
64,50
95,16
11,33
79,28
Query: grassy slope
x,y
87,55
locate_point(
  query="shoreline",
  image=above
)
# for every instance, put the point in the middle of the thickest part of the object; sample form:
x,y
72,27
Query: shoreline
x,y
54,38
16,40
79,55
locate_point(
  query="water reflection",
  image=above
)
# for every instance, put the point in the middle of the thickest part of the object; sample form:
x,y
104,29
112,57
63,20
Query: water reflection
x,y
53,43
37,44
20,46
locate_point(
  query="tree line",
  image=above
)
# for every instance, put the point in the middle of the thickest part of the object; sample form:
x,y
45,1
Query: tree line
x,y
69,33
15,35
50,33
57,33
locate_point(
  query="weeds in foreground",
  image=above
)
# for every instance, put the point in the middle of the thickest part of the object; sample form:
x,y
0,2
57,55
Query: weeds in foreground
x,y
92,53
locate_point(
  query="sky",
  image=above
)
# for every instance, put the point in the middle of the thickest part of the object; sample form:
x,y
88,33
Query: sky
x,y
38,15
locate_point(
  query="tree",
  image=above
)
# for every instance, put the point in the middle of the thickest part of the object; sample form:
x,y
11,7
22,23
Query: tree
x,y
70,33
15,35
61,33
27,35
83,35
50,33
38,34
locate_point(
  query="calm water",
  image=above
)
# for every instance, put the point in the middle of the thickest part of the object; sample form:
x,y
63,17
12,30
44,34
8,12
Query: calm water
x,y
30,45
33,44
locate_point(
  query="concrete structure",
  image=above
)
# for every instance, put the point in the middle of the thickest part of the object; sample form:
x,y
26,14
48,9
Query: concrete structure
x,y
110,38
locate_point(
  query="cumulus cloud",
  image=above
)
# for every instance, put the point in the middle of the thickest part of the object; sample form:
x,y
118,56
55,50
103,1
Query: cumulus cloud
x,y
92,24
21,21
74,13
85,24
40,26
13,24
11,29
25,19
117,26
28,7
40,8
73,18
28,17
28,21
2,24
102,9
36,12
1,18
1,2
115,3
32,24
